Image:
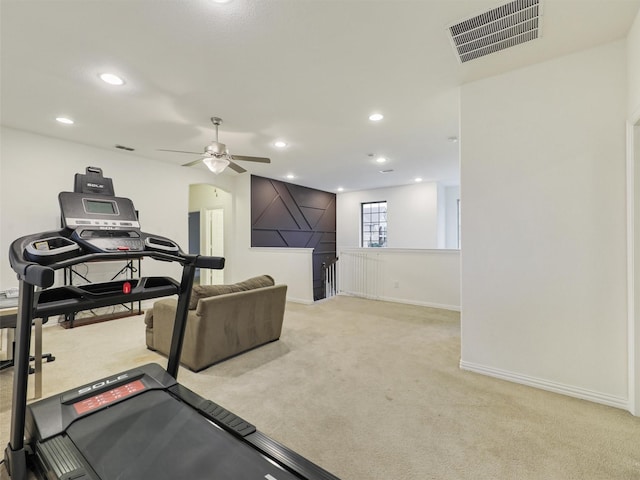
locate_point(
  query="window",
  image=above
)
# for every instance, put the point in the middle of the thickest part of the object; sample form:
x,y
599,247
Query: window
x,y
374,224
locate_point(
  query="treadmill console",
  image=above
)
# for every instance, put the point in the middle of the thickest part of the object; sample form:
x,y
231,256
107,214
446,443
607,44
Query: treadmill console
x,y
95,221
89,210
101,222
107,224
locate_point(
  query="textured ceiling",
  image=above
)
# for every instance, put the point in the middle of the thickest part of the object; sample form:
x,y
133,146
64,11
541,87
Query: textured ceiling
x,y
307,71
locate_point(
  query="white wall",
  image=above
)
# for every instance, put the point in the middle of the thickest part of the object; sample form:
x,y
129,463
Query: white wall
x,y
543,249
633,199
452,195
633,169
34,169
411,269
419,277
412,215
633,67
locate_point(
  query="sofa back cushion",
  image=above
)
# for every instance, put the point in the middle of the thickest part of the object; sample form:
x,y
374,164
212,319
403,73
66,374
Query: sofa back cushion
x,y
204,291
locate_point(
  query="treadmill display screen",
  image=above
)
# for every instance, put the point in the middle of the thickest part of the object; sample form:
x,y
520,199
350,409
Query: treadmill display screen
x,y
100,206
106,398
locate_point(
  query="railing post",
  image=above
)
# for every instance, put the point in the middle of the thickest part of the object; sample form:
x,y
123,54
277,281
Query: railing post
x,y
330,278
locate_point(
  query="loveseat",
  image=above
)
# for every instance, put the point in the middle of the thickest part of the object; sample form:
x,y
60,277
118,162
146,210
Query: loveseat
x,y
223,321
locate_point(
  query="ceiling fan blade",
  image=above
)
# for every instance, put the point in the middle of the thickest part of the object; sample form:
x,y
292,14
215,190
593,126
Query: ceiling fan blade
x,y
191,164
178,151
251,159
235,167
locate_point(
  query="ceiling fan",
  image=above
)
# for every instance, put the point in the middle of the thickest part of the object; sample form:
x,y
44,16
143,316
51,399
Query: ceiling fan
x,y
216,156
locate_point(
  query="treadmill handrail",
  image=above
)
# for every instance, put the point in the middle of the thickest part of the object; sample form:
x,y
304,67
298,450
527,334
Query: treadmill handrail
x,y
32,274
43,275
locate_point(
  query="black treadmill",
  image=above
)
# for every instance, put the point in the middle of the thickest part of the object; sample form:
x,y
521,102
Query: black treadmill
x,y
141,423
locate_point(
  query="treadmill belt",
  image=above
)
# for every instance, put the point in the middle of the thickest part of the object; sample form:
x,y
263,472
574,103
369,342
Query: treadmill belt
x,y
155,436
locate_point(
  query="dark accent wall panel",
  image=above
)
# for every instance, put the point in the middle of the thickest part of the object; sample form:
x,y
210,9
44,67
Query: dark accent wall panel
x,y
288,215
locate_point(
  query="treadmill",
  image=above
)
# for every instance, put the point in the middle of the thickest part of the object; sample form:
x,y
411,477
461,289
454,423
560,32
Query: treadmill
x,y
141,423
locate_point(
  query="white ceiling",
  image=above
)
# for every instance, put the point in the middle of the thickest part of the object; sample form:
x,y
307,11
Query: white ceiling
x,y
307,71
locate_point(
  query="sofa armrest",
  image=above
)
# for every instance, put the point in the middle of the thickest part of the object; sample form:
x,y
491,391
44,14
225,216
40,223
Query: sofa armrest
x,y
148,322
164,315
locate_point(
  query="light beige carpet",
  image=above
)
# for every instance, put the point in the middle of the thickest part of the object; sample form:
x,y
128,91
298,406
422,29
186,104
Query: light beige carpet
x,y
372,390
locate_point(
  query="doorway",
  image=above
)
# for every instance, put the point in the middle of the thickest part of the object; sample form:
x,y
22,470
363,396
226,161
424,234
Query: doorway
x,y
213,244
210,211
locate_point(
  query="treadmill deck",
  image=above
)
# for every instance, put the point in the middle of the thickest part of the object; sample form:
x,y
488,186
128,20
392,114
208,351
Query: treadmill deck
x,y
154,435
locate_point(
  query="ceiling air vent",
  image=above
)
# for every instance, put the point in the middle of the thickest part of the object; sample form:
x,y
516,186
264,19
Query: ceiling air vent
x,y
503,27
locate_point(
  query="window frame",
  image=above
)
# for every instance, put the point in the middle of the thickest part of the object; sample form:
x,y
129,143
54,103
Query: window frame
x,y
366,235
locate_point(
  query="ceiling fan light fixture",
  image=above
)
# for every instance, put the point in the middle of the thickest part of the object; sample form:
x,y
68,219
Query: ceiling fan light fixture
x,y
216,165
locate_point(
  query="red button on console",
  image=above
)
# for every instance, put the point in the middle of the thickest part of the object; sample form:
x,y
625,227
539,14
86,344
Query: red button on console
x,y
123,248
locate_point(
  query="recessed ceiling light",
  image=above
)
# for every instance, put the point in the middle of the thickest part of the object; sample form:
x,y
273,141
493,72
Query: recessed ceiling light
x,y
111,79
381,159
65,120
340,189
418,180
376,117
221,1
280,144
290,176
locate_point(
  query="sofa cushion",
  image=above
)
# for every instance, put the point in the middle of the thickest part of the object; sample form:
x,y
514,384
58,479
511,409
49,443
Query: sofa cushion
x,y
204,291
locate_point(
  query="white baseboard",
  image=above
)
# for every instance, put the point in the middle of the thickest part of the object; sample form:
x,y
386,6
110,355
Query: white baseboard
x,y
569,390
455,308
300,300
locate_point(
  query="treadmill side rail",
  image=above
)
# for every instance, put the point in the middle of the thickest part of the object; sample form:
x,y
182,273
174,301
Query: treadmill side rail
x,y
282,455
214,412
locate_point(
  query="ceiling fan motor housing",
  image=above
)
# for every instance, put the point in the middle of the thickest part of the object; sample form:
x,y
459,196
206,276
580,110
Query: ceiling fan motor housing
x,y
216,149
